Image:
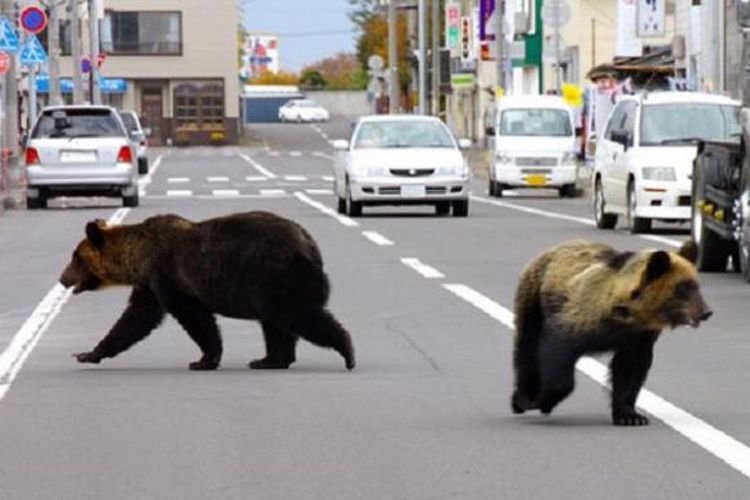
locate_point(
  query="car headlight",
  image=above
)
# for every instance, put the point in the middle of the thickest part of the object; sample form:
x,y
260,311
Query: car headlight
x,y
659,173
569,160
359,170
452,170
503,160
375,172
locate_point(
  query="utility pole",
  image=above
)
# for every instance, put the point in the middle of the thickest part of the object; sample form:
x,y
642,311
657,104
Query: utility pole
x,y
499,46
96,95
436,29
55,97
393,79
422,109
10,89
75,47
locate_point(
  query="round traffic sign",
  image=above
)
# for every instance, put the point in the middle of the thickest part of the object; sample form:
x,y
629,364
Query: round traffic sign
x,y
85,65
33,19
375,62
4,63
556,13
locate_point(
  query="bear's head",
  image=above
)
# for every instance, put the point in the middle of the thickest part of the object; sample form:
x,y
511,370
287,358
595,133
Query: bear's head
x,y
662,291
87,269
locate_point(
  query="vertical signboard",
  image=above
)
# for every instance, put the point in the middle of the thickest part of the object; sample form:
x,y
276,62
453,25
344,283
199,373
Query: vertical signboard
x,y
453,26
486,20
260,54
627,43
650,18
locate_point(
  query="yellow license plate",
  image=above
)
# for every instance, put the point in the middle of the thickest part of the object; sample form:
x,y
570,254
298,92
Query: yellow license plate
x,y
536,180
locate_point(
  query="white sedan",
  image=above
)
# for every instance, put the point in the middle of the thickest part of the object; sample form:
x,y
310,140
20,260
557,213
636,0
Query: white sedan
x,y
401,160
303,110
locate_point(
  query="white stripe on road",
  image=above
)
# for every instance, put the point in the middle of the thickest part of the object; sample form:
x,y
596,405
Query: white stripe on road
x,y
319,191
213,197
255,178
273,153
718,443
179,192
295,154
295,178
217,179
178,180
343,219
225,192
148,178
272,192
328,178
570,218
257,166
323,155
422,268
26,338
377,238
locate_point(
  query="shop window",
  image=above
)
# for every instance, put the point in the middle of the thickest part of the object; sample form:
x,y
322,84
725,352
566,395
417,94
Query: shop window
x,y
199,106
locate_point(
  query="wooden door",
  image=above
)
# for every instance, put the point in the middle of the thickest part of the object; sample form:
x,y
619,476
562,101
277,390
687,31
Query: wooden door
x,y
152,113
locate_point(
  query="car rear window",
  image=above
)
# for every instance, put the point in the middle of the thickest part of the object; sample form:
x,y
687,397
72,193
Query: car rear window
x,y
72,123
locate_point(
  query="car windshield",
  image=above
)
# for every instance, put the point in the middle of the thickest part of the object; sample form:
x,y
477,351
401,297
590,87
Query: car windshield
x,y
688,122
74,123
403,134
535,122
129,121
307,104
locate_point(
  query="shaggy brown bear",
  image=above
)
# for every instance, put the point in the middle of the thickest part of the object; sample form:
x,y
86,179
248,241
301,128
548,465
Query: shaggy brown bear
x,y
579,298
253,265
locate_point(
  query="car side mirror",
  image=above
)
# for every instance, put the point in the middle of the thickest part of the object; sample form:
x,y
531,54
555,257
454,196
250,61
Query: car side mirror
x,y
622,137
340,145
147,131
464,143
489,130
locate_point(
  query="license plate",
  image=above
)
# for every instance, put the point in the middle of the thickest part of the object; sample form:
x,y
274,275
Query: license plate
x,y
78,156
536,180
412,191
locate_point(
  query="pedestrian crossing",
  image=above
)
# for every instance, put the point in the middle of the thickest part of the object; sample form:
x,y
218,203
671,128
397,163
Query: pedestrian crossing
x,y
234,187
203,152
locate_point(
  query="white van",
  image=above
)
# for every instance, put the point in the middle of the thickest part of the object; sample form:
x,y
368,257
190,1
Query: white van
x,y
535,145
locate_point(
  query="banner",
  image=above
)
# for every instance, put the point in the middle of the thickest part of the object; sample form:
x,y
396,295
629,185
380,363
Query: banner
x,y
627,44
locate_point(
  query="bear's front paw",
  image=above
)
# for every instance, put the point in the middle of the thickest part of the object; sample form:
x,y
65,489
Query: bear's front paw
x,y
629,418
87,357
269,364
204,364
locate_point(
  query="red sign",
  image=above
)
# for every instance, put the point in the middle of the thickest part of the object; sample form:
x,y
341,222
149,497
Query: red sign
x,y
4,63
33,19
100,58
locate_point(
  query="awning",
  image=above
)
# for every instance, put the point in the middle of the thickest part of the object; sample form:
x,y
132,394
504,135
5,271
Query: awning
x,y
106,85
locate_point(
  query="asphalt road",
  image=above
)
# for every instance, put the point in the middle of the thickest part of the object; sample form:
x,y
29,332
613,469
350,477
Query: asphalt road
x,y
426,413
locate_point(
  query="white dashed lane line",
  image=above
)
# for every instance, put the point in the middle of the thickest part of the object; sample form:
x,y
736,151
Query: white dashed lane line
x,y
178,180
295,178
225,192
377,238
272,192
217,179
422,268
257,166
179,192
343,219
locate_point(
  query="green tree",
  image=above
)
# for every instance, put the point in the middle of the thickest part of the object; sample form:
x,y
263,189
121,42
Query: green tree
x,y
312,78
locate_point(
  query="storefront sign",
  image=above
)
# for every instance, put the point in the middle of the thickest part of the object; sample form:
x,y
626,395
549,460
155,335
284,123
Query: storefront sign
x,y
106,85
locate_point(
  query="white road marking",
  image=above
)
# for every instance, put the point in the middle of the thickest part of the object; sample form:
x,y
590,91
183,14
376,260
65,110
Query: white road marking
x,y
225,192
179,192
178,180
26,338
328,178
295,154
273,153
377,238
217,179
323,155
570,218
319,191
143,182
295,178
255,178
257,166
272,192
343,219
422,268
213,197
718,443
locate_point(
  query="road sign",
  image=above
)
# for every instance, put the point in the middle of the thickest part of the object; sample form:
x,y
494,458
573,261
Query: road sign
x,y
462,80
375,62
452,26
556,13
100,58
8,37
550,47
33,19
4,63
466,39
85,65
650,14
32,51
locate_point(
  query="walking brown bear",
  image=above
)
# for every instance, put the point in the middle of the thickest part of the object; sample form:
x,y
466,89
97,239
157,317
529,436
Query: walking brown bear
x,y
253,265
579,298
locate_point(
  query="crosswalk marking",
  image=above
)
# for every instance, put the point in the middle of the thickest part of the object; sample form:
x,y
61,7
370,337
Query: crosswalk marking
x,y
226,192
255,178
295,178
272,192
179,192
319,191
218,179
178,180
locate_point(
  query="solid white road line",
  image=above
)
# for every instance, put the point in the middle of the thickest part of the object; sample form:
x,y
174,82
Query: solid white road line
x,y
27,337
257,166
377,238
213,197
731,451
148,178
422,268
225,192
217,179
179,192
178,180
343,219
570,218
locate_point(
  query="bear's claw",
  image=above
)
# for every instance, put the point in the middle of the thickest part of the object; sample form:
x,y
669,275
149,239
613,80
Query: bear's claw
x,y
87,357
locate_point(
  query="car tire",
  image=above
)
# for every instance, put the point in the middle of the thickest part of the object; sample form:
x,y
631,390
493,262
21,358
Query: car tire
x,y
603,219
637,225
713,251
568,191
743,245
442,208
341,205
37,202
131,201
353,208
460,208
142,166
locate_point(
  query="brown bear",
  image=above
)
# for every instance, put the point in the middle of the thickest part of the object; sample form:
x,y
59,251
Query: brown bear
x,y
253,265
580,298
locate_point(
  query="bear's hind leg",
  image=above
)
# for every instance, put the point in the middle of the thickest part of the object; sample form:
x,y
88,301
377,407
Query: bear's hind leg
x,y
557,361
629,368
280,348
526,367
321,328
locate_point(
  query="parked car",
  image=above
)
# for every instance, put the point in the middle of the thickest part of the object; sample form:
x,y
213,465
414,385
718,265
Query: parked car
x,y
80,151
139,137
401,160
303,110
535,145
644,159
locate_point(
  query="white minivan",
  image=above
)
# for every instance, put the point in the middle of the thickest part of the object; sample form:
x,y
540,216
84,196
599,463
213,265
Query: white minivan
x,y
644,159
535,144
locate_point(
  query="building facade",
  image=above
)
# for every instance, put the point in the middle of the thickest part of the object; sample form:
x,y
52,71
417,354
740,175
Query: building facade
x,y
175,62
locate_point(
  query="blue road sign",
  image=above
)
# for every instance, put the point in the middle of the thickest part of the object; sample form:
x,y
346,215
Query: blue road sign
x,y
32,51
8,37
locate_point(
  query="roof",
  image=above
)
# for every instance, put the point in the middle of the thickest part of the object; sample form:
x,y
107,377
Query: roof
x,y
683,97
532,101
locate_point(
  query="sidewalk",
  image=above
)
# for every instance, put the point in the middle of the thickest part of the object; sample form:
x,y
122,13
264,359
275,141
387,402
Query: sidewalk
x,y
13,194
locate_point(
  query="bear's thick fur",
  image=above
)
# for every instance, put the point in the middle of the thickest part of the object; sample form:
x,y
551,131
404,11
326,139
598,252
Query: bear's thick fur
x,y
253,265
579,298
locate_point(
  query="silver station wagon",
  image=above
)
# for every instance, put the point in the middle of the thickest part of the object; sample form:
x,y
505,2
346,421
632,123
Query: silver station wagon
x,y
80,151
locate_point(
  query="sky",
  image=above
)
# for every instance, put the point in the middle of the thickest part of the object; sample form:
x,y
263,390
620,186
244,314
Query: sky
x,y
308,30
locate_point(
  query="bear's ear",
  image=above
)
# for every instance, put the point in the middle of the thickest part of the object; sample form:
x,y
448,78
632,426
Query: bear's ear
x,y
689,250
95,233
658,265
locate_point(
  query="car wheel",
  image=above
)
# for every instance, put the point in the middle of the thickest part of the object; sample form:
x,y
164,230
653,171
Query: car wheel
x,y
712,250
491,187
143,165
568,191
743,245
602,218
637,225
460,208
442,208
37,202
130,201
341,205
353,208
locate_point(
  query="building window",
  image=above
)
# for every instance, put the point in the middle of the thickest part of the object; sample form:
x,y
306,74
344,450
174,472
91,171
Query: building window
x,y
199,106
142,33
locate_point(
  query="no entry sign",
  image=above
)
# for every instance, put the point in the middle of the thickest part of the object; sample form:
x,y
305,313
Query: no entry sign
x,y
33,19
4,63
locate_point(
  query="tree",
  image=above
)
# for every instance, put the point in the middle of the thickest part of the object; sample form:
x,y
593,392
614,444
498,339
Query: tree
x,y
312,78
374,41
280,78
362,10
339,72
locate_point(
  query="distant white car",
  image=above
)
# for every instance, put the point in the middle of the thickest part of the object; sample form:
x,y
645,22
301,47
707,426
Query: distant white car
x,y
139,138
401,160
644,158
303,110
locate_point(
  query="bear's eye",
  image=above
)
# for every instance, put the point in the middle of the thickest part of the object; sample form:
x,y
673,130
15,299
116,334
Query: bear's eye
x,y
635,294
